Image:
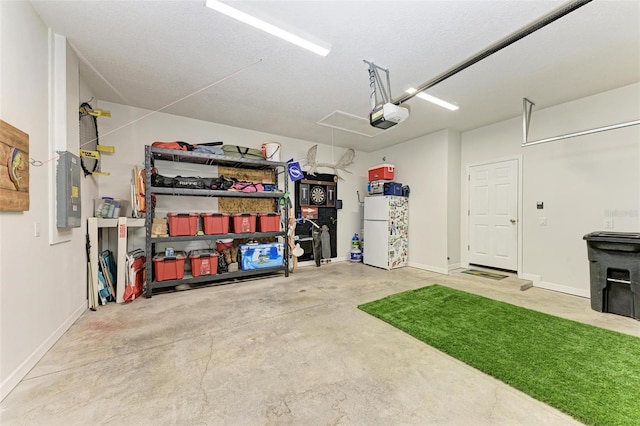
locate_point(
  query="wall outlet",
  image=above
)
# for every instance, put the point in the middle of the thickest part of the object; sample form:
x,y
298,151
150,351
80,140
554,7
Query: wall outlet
x,y
542,221
36,229
608,223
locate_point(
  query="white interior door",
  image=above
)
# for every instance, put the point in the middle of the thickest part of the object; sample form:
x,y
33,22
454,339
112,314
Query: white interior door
x,y
493,215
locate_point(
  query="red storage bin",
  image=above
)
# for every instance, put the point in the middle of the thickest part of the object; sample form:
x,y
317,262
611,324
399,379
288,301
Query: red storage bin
x,y
382,172
182,224
215,223
169,267
203,262
244,223
268,222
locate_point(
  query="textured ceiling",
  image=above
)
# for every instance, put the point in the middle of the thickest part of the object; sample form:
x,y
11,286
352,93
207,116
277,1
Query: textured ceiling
x,y
151,54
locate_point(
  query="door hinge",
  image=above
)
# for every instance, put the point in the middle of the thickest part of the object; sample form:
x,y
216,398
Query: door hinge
x,y
468,212
469,178
468,248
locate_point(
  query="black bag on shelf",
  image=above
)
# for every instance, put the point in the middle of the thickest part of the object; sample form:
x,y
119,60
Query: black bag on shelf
x,y
161,181
189,182
226,183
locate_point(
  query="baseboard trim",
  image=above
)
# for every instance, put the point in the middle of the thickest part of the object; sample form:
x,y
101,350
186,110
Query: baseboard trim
x,y
563,289
443,271
535,279
454,266
23,369
305,263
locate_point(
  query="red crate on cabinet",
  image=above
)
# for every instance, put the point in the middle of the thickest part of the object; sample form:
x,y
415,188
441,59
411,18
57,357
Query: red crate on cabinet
x,y
244,223
382,172
182,224
268,222
169,267
215,223
203,262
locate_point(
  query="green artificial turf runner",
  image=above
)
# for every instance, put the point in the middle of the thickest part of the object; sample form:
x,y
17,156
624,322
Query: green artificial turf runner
x,y
588,372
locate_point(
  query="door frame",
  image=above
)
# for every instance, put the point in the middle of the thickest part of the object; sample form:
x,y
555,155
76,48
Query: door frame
x,y
464,256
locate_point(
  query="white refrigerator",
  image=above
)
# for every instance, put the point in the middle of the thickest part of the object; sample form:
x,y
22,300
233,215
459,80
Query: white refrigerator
x,y
386,231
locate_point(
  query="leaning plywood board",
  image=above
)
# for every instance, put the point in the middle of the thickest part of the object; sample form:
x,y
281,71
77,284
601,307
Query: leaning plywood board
x,y
14,168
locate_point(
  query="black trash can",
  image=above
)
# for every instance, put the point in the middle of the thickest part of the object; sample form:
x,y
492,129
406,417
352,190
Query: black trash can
x,y
614,263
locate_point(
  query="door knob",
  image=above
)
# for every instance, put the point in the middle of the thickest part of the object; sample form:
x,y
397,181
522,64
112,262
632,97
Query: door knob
x,y
513,221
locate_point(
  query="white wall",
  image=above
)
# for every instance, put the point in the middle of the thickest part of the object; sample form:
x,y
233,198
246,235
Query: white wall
x,y
453,199
582,181
424,164
42,287
129,129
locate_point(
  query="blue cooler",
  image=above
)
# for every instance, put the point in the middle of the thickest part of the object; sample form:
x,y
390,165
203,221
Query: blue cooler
x,y
259,256
392,188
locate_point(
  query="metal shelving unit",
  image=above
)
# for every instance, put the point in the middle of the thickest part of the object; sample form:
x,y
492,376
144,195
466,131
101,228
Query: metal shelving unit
x,y
151,155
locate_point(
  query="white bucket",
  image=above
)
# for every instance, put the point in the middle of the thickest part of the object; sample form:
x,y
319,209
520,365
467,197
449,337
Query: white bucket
x,y
355,255
271,151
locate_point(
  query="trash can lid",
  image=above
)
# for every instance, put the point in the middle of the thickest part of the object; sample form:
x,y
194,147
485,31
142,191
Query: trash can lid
x,y
613,237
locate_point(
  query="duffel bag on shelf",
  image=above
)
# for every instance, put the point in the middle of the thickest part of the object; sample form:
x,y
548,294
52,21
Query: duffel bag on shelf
x,y
179,145
203,148
189,182
242,152
244,186
222,183
192,182
161,181
209,148
185,146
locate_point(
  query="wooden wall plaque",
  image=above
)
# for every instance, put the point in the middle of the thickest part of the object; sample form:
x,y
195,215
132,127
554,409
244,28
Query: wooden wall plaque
x,y
14,169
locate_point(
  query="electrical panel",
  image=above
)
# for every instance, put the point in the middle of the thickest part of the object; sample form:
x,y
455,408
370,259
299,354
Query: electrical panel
x,y
68,172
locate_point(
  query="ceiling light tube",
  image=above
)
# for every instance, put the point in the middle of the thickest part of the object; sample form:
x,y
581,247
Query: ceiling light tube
x,y
264,26
433,99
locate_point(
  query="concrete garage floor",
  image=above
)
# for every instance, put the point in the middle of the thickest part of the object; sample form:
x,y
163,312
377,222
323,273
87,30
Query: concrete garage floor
x,y
279,351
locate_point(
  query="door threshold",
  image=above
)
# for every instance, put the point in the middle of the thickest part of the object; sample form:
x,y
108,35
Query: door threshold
x,y
493,268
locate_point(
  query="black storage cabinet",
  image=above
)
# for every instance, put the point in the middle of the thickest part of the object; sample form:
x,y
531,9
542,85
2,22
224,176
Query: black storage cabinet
x,y
614,263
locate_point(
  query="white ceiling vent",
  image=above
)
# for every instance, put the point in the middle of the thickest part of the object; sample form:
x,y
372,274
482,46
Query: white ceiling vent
x,y
350,123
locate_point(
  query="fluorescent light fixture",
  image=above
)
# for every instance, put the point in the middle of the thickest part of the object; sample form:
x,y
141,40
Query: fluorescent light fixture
x,y
264,26
433,100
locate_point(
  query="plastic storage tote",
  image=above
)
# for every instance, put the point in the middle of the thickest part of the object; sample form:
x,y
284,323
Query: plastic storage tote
x,y
268,222
182,224
244,223
215,223
203,262
169,267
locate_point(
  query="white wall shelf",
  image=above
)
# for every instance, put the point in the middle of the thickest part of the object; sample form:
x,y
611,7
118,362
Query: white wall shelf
x,y
98,230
